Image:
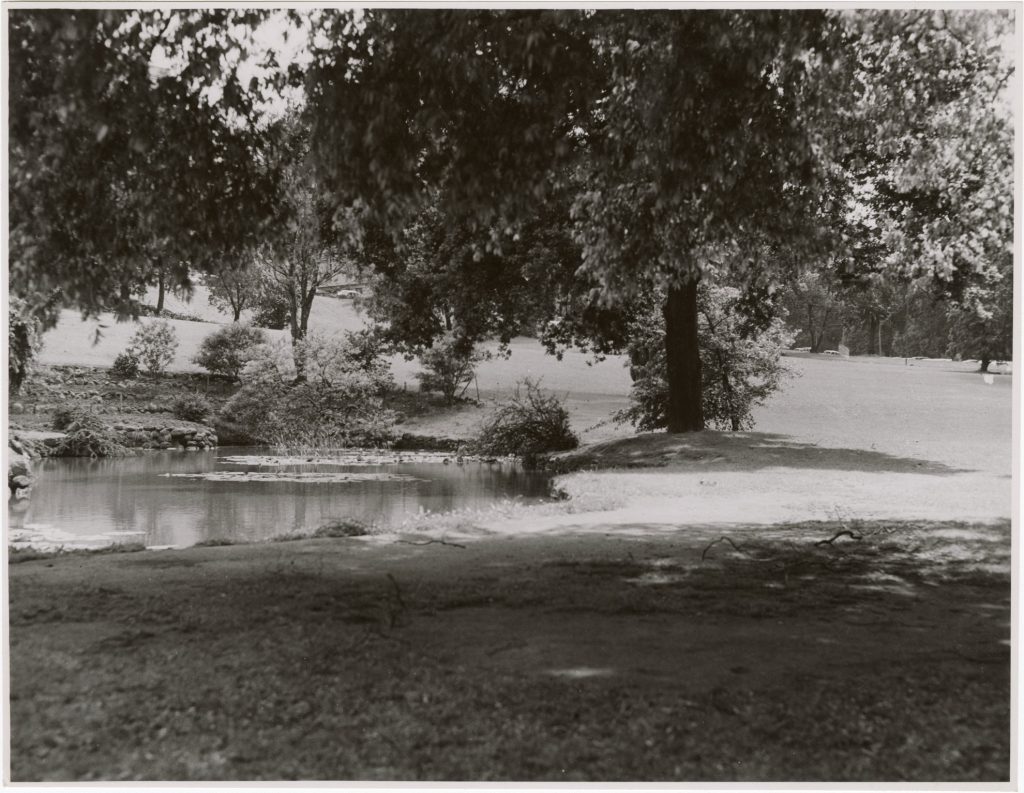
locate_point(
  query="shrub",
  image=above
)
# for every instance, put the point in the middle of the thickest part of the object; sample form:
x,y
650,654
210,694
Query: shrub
x,y
343,528
337,402
228,349
63,417
126,365
272,309
192,407
449,367
528,425
740,361
88,436
154,345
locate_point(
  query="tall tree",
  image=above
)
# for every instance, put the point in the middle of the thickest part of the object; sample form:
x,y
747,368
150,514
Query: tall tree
x,y
686,129
235,289
310,245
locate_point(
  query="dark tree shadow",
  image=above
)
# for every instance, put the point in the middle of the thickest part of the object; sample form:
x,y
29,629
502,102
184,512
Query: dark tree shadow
x,y
737,451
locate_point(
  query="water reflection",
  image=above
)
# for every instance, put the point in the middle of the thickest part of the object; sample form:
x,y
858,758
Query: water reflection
x,y
82,499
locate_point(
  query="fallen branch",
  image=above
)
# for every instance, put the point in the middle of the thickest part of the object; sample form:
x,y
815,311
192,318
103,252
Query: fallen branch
x,y
430,542
505,647
398,591
837,535
715,542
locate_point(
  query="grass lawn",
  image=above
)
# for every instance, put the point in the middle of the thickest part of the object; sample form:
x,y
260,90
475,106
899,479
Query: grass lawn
x,y
938,410
619,655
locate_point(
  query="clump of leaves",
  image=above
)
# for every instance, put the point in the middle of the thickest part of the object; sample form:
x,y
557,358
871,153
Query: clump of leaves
x,y
272,310
192,407
154,345
126,365
87,436
63,417
528,425
449,366
228,349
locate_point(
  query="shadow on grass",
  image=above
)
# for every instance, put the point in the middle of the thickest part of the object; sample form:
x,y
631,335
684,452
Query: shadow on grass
x,y
736,451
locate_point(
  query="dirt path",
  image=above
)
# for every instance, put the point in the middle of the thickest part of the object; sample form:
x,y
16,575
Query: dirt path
x,y
634,653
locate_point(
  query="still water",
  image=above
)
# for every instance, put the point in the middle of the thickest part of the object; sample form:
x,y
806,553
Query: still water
x,y
180,498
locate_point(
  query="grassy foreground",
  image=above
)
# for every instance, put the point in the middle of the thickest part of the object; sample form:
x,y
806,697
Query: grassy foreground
x,y
773,654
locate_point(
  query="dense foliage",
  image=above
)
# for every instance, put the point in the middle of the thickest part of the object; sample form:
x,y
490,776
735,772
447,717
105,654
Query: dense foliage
x,y
338,402
227,350
439,277
192,407
132,149
87,436
126,365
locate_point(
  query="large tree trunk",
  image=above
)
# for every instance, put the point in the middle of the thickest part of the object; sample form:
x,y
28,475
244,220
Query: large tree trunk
x,y
685,411
160,287
874,335
307,308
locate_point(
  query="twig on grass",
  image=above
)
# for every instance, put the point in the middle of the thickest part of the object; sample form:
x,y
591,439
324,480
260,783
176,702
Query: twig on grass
x,y
397,591
430,542
505,647
715,542
837,535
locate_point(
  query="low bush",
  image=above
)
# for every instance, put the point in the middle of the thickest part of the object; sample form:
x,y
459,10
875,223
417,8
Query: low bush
x,y
88,436
228,349
343,528
192,407
126,366
63,416
154,345
272,309
448,367
532,423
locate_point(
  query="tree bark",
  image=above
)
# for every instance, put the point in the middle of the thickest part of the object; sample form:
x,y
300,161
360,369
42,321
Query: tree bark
x,y
684,411
160,286
873,335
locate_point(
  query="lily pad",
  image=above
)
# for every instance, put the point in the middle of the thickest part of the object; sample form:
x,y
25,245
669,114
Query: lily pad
x,y
346,458
293,476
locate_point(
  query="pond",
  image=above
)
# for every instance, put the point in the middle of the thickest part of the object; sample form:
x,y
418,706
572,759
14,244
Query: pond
x,y
246,494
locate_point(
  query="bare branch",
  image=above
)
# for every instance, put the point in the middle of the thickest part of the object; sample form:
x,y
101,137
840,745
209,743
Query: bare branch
x,y
715,542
